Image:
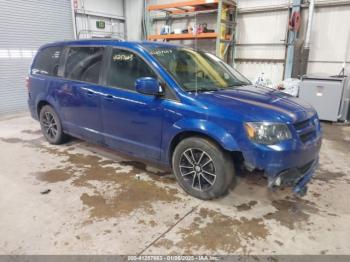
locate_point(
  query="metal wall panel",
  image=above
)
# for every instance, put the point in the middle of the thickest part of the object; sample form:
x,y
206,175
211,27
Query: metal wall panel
x,y
109,11
24,27
330,40
111,8
261,35
261,3
271,71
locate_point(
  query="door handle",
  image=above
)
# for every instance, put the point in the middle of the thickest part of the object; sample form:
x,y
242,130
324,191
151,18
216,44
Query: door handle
x,y
89,93
109,97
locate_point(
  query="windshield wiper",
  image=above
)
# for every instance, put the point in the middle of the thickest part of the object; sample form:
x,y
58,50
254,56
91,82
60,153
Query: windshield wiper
x,y
207,90
204,90
240,83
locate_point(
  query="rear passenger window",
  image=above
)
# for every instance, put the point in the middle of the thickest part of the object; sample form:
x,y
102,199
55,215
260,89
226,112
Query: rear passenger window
x,y
84,63
125,68
46,61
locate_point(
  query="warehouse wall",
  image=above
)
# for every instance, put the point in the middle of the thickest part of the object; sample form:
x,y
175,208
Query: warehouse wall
x,y
329,46
253,30
90,11
263,34
24,27
330,40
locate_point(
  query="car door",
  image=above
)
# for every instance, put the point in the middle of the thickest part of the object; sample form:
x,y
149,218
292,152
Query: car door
x,y
79,92
132,121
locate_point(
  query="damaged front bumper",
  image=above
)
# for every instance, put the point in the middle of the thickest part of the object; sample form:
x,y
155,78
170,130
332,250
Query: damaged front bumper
x,y
295,177
291,163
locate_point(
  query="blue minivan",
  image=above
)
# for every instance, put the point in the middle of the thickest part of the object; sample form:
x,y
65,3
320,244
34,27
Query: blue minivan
x,y
176,106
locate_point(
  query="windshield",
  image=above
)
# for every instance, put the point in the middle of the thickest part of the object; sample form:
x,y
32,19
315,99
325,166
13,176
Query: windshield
x,y
198,71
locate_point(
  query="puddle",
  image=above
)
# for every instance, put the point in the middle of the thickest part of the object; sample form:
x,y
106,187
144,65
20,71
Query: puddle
x,y
32,132
329,176
220,233
12,140
168,244
151,223
55,175
279,243
143,167
133,195
246,206
292,212
124,193
32,143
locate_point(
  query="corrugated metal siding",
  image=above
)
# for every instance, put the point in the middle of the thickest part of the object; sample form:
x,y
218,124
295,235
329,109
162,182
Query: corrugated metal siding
x,y
26,25
330,40
256,29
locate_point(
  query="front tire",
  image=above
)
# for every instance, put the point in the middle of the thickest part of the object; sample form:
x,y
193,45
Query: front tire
x,y
202,168
51,126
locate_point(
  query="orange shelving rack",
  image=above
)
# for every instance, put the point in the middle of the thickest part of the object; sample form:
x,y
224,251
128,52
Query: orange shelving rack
x,y
225,28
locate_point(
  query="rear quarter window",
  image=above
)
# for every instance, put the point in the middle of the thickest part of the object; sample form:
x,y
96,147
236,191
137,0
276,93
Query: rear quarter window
x,y
46,61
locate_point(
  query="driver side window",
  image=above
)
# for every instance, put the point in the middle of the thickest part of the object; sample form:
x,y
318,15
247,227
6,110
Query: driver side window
x,y
125,67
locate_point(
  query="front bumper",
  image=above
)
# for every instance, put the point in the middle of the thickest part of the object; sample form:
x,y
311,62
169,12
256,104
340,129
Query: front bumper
x,y
291,163
295,177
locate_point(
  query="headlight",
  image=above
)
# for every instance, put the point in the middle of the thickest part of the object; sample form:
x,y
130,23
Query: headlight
x,y
267,133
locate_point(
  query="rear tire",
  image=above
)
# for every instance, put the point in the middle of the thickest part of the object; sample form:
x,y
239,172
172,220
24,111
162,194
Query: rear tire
x,y
202,168
51,126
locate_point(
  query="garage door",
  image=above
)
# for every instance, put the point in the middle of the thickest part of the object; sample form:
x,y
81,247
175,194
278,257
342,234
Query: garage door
x,y
24,26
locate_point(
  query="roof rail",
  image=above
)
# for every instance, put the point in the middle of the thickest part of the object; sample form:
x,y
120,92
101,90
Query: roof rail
x,y
102,38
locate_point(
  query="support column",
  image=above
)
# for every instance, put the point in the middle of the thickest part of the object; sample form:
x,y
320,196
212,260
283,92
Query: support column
x,y
292,36
306,48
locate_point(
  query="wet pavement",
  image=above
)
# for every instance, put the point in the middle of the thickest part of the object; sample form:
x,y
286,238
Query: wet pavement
x,y
79,198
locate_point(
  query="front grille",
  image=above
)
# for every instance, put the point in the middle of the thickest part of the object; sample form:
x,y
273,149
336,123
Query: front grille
x,y
307,136
306,129
302,124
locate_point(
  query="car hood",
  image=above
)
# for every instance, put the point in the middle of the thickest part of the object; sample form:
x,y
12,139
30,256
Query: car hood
x,y
258,104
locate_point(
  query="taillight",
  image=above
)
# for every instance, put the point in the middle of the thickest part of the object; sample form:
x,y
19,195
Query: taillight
x,y
27,82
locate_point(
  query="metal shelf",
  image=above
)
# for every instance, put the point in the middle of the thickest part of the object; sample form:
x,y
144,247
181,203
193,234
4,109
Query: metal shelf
x,y
183,36
224,10
189,6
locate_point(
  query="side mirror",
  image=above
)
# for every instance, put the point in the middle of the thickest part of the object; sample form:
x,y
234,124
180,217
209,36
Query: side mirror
x,y
148,86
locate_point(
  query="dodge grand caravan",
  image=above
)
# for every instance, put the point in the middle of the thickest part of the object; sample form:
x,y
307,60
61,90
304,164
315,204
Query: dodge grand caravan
x,y
177,106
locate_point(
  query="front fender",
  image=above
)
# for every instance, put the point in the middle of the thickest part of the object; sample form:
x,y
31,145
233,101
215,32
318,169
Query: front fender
x,y
205,127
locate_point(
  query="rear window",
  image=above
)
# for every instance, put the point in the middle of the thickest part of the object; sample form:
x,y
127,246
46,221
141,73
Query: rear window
x,y
46,61
84,63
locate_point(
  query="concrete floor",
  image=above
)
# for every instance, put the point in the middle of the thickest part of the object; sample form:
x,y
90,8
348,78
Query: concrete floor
x,y
100,203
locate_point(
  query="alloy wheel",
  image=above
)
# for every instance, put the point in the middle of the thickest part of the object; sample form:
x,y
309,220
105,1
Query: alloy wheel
x,y
50,125
197,169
